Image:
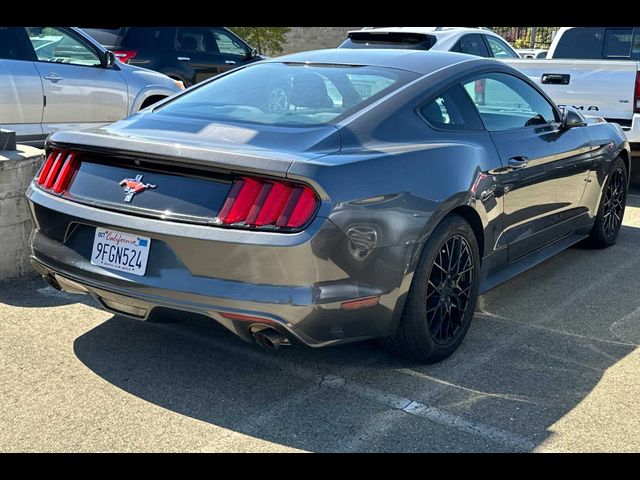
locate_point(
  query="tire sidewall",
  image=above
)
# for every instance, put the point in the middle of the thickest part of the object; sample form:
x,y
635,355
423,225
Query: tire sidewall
x,y
452,225
599,234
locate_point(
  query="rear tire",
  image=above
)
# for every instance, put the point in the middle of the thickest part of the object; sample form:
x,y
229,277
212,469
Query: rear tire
x,y
606,227
442,297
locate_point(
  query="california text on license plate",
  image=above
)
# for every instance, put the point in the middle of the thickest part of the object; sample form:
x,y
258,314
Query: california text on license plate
x,y
120,251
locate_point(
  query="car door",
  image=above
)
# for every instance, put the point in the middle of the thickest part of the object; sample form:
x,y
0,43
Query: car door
x,y
194,47
21,96
234,51
545,167
472,44
78,90
209,51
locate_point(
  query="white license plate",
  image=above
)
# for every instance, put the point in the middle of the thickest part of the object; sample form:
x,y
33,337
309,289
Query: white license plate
x,y
120,251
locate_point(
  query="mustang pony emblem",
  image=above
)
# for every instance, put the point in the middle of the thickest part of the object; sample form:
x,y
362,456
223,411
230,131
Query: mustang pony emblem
x,y
133,186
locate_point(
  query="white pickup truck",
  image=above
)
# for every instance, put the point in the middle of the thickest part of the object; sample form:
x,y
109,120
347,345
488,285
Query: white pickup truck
x,y
595,70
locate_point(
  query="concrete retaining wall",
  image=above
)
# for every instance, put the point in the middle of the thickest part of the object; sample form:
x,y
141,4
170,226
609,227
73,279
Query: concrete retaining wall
x,y
314,38
17,169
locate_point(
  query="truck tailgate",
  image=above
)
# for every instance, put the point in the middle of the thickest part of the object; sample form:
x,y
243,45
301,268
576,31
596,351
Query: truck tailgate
x,y
604,88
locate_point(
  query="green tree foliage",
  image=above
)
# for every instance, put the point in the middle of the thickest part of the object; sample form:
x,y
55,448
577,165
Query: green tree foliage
x,y
520,37
264,39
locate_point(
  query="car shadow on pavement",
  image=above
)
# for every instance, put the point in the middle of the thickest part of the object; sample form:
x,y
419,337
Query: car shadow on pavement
x,y
538,347
34,292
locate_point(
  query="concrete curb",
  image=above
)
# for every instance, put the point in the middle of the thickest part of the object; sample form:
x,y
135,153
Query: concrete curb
x,y
17,169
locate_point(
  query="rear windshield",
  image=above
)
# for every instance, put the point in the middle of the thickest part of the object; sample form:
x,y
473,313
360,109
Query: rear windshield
x,y
110,37
599,42
410,41
288,94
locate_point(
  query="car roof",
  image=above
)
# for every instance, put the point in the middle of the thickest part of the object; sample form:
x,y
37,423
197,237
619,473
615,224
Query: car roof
x,y
417,61
438,32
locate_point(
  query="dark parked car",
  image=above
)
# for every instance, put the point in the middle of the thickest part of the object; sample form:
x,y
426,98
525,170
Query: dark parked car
x,y
188,54
394,188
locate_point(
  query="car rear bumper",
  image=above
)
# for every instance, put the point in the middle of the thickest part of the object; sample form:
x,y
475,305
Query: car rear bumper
x,y
296,283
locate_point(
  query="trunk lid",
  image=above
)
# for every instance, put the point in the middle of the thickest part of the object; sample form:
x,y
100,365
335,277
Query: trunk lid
x,y
186,167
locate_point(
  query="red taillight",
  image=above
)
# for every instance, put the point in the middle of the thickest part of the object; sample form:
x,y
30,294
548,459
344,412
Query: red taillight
x,y
125,55
46,168
636,97
259,202
69,167
57,171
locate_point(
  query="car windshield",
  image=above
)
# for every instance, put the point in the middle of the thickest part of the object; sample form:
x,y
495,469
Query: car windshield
x,y
289,94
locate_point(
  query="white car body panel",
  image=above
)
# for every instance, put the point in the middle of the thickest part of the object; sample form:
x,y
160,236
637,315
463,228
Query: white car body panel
x,y
20,98
40,97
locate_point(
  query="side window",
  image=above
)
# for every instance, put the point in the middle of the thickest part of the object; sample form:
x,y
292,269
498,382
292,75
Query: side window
x,y
580,42
190,39
142,37
635,49
506,102
451,110
499,49
228,44
472,45
15,45
54,45
617,42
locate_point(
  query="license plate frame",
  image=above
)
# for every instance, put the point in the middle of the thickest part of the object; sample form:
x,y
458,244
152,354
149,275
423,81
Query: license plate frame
x,y
120,251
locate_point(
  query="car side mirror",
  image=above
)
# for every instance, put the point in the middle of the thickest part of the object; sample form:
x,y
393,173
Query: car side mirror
x,y
571,118
253,53
109,59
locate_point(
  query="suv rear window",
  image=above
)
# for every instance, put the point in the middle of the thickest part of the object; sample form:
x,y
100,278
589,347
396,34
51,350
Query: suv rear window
x,y
617,42
109,37
581,42
405,40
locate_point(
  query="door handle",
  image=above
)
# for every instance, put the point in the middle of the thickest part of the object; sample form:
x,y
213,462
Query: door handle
x,y
230,62
184,59
556,79
53,77
517,163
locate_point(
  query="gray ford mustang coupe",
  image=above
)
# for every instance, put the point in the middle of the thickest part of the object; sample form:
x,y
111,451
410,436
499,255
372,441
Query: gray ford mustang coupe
x,y
327,197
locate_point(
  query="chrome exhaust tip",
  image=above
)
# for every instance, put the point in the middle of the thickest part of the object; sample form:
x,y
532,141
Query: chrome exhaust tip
x,y
269,338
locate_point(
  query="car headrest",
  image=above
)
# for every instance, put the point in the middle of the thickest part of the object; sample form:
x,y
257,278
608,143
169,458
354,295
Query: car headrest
x,y
189,43
309,90
433,113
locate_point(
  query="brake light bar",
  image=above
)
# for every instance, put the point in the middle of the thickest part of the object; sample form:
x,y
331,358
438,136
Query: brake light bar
x,y
258,203
125,55
57,171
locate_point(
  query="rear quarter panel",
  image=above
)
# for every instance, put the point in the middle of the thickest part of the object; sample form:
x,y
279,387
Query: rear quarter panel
x,y
400,178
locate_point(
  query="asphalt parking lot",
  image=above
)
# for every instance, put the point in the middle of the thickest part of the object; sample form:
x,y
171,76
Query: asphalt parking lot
x,y
550,364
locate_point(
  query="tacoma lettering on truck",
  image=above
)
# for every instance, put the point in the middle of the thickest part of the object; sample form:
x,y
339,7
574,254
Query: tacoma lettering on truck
x,y
590,108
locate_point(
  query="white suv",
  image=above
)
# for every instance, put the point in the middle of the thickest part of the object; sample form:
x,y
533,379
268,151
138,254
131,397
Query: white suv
x,y
481,42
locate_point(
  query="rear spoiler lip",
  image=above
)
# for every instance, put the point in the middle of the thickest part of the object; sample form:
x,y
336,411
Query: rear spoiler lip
x,y
418,37
275,163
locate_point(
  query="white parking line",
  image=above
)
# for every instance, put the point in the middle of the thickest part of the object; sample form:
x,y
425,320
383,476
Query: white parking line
x,y
501,396
496,318
397,402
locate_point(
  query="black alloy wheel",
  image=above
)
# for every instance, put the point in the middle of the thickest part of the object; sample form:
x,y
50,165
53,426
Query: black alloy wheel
x,y
614,202
608,221
449,288
442,297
